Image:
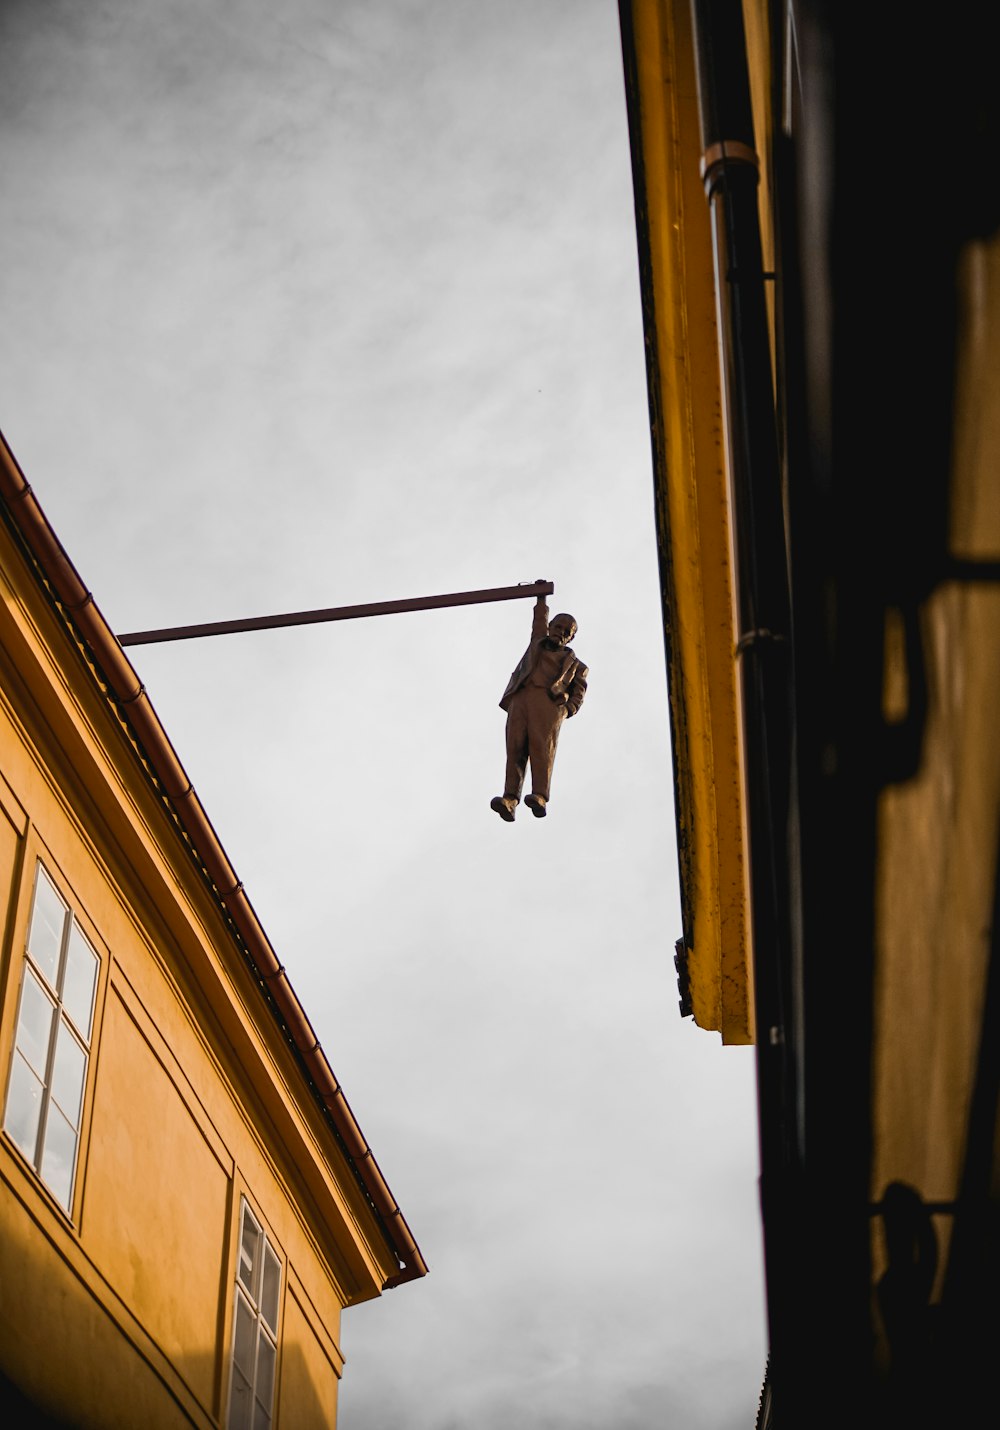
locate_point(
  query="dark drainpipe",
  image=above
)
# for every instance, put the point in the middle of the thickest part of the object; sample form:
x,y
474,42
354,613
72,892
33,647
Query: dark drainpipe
x,y
730,168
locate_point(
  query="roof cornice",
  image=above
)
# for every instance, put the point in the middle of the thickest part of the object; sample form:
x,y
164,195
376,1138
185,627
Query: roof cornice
x,y
130,704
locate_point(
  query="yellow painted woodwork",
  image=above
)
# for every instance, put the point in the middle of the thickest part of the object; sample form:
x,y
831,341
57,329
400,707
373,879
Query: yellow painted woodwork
x,y
692,494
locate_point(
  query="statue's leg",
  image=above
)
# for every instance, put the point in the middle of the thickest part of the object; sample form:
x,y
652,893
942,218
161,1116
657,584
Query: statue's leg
x,y
517,747
544,721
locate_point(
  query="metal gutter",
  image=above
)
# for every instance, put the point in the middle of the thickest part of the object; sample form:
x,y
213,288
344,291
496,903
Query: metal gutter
x,y
730,169
132,705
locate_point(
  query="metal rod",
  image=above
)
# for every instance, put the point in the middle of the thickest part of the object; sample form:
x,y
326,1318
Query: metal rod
x,y
338,613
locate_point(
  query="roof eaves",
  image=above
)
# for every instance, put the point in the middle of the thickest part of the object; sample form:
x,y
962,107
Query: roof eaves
x,y
126,695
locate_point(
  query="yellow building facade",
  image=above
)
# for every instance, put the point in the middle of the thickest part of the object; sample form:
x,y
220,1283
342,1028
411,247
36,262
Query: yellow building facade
x,y
694,518
822,319
186,1201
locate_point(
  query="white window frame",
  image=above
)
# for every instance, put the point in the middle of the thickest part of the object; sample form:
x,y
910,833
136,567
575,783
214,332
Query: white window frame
x,y
50,1066
257,1309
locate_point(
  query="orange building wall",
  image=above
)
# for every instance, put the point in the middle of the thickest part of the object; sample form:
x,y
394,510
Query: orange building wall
x,y
121,1314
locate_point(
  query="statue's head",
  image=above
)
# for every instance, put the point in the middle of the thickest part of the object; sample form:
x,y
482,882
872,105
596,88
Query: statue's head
x,y
562,629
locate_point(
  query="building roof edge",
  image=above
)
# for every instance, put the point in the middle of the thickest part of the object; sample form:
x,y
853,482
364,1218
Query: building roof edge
x,y
126,694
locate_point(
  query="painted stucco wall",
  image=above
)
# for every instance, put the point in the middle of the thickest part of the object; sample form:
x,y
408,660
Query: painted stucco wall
x,y
120,1312
939,840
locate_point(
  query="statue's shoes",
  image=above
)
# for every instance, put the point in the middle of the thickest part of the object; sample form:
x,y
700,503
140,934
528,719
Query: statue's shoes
x,y
536,803
504,808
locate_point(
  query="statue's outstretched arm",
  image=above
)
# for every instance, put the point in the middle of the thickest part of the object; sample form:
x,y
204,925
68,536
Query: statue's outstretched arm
x,y
540,619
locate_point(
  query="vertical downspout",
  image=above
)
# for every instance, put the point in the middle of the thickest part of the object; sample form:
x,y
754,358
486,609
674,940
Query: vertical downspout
x,y
731,170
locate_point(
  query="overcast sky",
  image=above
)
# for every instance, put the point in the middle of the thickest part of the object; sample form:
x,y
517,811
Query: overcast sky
x,y
323,302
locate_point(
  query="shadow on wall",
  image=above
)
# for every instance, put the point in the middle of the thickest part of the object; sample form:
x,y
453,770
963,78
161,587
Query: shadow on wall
x,y
65,1364
18,1410
301,1400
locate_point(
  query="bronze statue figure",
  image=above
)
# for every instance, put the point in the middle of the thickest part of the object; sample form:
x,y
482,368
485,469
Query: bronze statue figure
x,y
548,685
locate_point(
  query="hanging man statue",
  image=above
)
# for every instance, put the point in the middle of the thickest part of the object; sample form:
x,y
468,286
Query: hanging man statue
x,y
548,685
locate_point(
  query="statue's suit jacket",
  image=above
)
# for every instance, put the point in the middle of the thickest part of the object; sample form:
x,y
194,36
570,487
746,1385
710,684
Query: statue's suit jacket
x,y
572,677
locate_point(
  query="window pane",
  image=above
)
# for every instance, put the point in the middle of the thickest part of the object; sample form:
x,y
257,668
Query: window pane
x,y
269,1290
249,1249
58,1156
24,1107
69,1069
261,1417
243,1337
79,978
240,1403
48,915
34,1023
265,1371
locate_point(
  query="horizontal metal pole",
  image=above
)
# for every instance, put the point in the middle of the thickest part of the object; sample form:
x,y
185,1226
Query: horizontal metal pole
x,y
338,613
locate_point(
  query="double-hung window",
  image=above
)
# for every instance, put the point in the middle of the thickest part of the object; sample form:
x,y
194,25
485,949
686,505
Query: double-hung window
x,y
255,1328
52,1044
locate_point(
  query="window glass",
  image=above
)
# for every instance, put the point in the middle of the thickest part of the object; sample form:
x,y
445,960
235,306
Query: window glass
x,y
240,1403
48,916
58,1155
243,1337
24,1107
55,1020
249,1245
257,1298
269,1290
34,1024
265,1370
69,1068
241,1394
79,980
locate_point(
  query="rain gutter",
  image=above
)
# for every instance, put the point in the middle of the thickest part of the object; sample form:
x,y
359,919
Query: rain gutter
x,y
730,169
132,705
